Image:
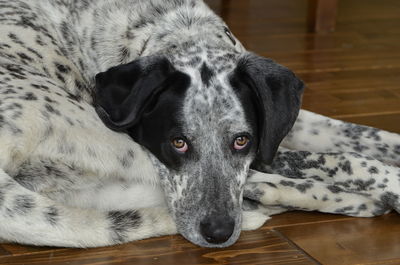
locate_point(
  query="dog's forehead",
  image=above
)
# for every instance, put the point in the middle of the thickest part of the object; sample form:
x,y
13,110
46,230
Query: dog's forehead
x,y
213,108
220,57
210,101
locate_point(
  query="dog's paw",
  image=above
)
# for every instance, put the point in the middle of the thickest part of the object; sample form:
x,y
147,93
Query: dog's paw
x,y
253,220
263,192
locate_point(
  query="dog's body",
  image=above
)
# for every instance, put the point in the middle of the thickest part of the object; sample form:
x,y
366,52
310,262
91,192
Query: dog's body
x,y
68,180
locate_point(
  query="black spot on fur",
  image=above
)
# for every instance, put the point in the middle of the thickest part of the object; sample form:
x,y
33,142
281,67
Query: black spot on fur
x,y
362,207
390,199
15,39
70,122
382,186
373,170
124,53
1,197
396,149
40,41
364,185
123,221
334,189
344,209
73,97
304,187
287,183
23,204
60,77
52,215
14,106
346,167
144,47
50,109
62,68
317,178
47,99
125,162
24,57
206,74
29,96
130,154
141,23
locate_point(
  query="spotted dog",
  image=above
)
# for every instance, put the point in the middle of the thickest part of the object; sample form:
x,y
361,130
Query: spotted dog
x,y
121,120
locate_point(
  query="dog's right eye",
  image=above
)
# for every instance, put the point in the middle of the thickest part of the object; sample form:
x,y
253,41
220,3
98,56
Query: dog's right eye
x,y
240,142
180,145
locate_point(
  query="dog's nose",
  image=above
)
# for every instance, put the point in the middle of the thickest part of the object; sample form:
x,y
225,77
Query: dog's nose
x,y
217,229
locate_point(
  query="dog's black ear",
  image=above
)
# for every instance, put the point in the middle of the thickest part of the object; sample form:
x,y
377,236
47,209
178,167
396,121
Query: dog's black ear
x,y
123,92
277,93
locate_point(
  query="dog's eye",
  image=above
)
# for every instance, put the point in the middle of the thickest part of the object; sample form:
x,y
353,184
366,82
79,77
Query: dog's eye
x,y
180,145
229,34
240,142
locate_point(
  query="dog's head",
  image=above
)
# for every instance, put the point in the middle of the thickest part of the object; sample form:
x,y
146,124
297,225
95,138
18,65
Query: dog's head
x,y
206,120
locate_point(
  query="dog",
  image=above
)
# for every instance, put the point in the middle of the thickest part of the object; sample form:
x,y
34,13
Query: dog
x,y
122,120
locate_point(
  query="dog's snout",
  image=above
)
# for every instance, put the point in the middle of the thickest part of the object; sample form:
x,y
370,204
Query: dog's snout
x,y
217,229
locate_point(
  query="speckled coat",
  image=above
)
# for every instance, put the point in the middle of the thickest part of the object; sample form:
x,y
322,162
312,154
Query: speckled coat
x,y
68,180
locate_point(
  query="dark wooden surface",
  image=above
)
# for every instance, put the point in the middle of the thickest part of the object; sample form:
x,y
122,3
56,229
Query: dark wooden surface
x,y
352,74
322,15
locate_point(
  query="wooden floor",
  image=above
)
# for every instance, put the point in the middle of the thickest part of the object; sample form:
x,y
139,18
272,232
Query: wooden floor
x,y
352,74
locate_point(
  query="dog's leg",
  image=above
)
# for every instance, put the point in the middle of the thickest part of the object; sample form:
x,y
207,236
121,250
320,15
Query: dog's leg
x,y
341,183
277,191
317,133
29,218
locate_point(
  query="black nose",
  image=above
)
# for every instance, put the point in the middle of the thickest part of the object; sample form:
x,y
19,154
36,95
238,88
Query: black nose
x,y
217,229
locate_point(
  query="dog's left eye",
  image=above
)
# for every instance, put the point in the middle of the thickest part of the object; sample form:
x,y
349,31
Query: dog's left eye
x,y
240,142
180,145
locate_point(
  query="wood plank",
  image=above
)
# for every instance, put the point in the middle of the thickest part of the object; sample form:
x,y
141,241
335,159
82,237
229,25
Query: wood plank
x,y
16,250
353,80
353,241
322,15
348,108
253,247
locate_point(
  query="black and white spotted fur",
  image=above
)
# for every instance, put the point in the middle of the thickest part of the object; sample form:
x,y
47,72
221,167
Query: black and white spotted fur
x,y
68,180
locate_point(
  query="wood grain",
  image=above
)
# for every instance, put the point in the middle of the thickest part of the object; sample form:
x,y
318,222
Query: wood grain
x,y
254,247
322,15
353,241
351,74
